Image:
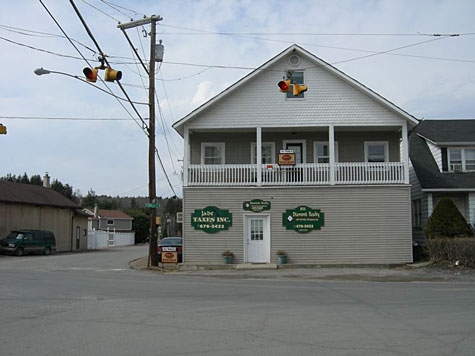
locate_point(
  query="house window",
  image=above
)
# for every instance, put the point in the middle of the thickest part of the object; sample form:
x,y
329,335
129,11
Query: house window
x,y
297,77
268,152
212,153
110,222
416,213
376,151
461,159
322,152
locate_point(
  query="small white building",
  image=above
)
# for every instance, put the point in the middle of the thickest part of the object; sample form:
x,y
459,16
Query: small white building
x,y
109,228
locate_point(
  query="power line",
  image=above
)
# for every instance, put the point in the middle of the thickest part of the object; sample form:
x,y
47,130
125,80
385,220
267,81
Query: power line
x,y
61,118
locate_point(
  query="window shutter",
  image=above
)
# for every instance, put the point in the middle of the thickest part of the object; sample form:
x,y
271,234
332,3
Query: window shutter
x,y
445,164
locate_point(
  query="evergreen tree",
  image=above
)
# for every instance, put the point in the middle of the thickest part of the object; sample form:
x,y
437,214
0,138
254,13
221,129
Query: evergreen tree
x,y
446,221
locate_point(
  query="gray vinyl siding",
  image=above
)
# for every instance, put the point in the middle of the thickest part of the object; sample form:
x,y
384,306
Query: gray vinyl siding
x,y
329,100
238,145
363,225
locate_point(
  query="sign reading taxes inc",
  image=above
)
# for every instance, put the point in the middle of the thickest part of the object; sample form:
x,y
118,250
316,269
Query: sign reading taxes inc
x,y
211,219
303,219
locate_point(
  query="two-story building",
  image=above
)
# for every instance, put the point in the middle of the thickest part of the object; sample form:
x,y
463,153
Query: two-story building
x,y
442,156
322,175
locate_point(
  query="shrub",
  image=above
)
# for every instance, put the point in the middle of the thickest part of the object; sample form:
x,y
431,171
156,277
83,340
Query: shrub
x,y
452,250
446,221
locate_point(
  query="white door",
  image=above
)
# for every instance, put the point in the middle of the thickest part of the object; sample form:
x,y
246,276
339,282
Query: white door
x,y
257,239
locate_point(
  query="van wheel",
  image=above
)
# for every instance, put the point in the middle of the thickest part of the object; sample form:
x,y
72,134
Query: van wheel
x,y
19,251
47,251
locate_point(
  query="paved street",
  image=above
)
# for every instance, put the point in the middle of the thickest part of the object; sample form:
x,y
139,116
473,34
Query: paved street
x,y
94,304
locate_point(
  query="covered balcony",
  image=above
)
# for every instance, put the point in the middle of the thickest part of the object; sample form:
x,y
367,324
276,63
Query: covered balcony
x,y
347,156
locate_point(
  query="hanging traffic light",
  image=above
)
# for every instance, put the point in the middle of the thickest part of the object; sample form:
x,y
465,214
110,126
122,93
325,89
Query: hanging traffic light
x,y
298,89
91,74
112,75
3,130
284,86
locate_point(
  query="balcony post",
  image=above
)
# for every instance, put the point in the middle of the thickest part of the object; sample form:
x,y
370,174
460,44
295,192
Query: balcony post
x,y
186,154
331,149
259,155
405,152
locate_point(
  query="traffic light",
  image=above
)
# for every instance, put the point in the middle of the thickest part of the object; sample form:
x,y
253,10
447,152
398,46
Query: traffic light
x,y
299,88
91,74
284,86
3,130
112,75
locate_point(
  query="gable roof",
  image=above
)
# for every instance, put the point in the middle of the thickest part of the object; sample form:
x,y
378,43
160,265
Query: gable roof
x,y
440,132
109,214
448,132
179,125
19,193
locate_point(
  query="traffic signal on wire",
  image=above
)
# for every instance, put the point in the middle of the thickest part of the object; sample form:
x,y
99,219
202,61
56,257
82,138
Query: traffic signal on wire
x,y
112,75
284,86
91,74
298,89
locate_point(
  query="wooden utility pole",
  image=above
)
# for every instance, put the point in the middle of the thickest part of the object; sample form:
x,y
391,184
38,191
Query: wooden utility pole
x,y
152,190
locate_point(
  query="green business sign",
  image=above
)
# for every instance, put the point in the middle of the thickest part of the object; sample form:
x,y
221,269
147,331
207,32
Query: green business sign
x,y
256,205
211,219
303,219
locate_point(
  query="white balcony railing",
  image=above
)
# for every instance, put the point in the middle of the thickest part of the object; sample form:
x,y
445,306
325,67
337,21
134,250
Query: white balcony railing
x,y
302,174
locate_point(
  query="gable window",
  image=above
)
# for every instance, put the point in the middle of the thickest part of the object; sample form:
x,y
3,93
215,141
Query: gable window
x,y
376,151
212,153
268,152
461,159
322,152
297,77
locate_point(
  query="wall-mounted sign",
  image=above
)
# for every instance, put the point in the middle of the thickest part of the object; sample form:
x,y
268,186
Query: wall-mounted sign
x,y
256,205
287,158
211,219
303,219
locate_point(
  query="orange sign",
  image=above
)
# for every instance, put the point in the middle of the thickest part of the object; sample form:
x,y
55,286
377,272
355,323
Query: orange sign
x,y
287,159
169,257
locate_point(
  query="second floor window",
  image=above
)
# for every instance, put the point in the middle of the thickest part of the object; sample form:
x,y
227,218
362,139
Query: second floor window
x,y
461,159
268,153
376,151
212,153
322,152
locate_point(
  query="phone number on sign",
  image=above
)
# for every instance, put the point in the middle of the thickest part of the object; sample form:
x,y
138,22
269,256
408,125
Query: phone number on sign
x,y
211,226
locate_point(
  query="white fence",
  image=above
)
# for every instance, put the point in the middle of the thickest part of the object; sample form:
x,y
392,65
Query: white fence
x,y
97,239
301,174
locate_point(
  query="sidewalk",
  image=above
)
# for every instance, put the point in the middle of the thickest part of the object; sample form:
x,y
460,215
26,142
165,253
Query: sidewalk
x,y
417,272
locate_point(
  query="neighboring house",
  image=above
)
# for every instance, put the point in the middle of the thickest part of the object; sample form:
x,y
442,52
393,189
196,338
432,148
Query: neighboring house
x,y
27,206
109,228
322,175
442,154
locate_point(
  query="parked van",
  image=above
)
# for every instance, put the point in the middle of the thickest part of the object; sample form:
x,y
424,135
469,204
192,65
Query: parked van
x,y
20,242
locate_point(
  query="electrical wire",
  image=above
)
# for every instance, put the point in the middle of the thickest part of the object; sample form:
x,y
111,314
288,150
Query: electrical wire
x,y
103,56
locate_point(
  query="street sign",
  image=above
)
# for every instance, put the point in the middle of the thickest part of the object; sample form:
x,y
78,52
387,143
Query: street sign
x,y
152,205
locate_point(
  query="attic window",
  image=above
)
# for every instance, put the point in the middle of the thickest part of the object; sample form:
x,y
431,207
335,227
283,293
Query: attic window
x,y
297,77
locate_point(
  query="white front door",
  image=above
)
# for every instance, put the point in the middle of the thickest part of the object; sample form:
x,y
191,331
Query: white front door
x,y
257,239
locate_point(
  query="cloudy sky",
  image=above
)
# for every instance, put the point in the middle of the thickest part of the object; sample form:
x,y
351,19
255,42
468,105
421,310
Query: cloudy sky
x,y
419,54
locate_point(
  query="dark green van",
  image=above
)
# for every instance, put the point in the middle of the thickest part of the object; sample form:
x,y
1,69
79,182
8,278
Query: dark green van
x,y
20,242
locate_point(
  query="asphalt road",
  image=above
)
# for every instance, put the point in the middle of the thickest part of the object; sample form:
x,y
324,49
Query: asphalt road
x,y
94,304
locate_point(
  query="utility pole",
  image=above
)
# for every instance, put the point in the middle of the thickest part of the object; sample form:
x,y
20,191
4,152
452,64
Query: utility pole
x,y
152,190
